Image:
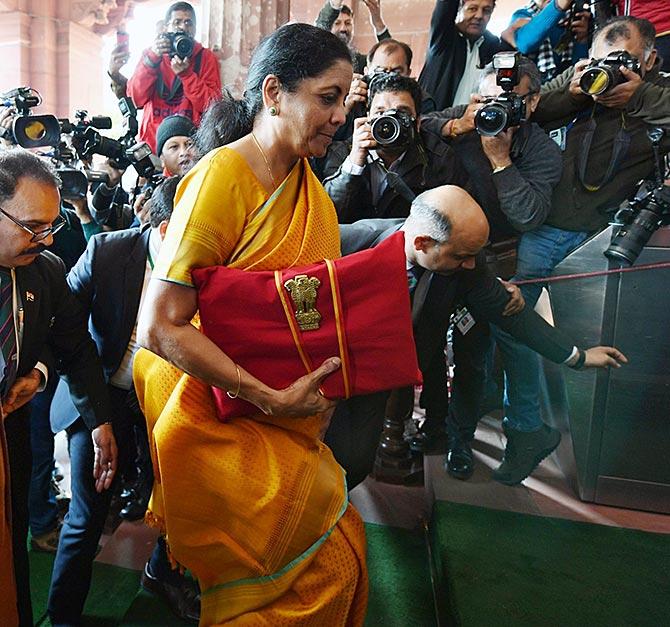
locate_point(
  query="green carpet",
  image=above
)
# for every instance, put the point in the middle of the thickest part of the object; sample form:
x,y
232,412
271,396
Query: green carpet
x,y
400,593
503,568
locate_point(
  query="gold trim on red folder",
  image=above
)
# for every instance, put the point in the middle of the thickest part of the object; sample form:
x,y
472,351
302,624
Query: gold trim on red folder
x,y
291,322
339,325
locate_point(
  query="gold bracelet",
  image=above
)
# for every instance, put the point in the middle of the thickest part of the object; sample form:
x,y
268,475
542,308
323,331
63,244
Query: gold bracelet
x,y
239,383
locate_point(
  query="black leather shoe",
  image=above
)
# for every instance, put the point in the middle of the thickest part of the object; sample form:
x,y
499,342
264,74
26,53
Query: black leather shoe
x,y
459,462
429,442
183,600
133,510
524,452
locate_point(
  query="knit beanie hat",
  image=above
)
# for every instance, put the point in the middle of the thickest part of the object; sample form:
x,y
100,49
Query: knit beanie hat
x,y
173,126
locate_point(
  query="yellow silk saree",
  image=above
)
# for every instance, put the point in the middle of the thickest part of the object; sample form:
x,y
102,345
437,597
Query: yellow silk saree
x,y
255,507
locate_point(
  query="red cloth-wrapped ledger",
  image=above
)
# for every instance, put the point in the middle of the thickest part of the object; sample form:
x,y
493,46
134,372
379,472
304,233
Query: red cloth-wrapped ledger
x,y
281,325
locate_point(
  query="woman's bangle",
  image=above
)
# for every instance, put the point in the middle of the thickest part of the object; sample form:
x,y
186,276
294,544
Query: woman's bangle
x,y
239,383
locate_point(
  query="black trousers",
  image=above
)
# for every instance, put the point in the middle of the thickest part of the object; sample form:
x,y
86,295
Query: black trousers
x,y
354,432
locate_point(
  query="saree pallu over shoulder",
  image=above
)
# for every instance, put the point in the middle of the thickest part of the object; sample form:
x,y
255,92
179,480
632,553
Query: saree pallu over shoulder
x,y
256,508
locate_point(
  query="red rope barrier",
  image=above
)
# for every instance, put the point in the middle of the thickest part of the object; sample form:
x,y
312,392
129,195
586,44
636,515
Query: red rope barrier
x,y
588,275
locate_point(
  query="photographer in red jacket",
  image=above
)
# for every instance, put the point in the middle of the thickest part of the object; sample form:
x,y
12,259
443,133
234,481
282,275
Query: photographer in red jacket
x,y
176,75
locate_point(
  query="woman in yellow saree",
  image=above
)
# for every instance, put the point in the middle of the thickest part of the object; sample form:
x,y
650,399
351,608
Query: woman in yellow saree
x,y
255,507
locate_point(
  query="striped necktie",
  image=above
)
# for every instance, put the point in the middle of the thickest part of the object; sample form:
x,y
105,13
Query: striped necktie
x,y
7,333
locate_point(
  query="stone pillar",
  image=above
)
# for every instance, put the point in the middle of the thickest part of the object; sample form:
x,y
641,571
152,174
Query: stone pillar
x,y
42,47
234,28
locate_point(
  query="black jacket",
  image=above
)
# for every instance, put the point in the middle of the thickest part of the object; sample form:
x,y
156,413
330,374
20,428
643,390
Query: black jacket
x,y
447,51
423,168
478,289
518,198
107,281
55,329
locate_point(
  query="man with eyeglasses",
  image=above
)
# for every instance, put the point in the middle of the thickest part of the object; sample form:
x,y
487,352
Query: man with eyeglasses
x,y
516,172
40,321
166,84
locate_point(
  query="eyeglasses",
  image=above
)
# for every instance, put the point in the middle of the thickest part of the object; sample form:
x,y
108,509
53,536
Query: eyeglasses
x,y
37,236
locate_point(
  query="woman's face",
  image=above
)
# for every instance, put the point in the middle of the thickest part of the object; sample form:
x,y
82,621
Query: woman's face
x,y
310,116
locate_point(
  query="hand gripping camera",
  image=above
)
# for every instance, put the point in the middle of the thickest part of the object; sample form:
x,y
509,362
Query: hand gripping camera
x,y
181,44
508,109
601,75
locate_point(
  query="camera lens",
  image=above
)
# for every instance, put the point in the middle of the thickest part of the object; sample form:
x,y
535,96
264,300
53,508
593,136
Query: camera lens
x,y
385,130
596,81
628,243
35,130
183,46
491,119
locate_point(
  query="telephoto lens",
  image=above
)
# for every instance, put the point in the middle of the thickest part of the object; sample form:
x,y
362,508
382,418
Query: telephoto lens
x,y
650,213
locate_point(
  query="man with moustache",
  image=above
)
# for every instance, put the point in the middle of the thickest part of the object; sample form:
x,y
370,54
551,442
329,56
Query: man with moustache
x,y
40,321
338,18
459,46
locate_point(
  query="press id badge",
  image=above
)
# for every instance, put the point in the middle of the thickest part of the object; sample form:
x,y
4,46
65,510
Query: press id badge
x,y
559,136
463,320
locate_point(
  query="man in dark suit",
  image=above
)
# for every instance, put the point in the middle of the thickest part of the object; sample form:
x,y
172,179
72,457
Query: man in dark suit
x,y
39,319
110,281
459,45
444,237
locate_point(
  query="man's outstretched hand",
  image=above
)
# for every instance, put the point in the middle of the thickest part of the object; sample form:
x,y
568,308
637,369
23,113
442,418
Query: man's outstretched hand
x,y
604,357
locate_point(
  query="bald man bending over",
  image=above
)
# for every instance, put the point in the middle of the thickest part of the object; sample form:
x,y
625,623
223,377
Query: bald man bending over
x,y
444,237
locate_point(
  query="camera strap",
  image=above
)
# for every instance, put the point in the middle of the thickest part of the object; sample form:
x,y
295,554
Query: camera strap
x,y
395,181
619,150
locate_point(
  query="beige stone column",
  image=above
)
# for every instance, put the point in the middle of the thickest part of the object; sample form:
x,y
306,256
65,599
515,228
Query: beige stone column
x,y
44,47
233,29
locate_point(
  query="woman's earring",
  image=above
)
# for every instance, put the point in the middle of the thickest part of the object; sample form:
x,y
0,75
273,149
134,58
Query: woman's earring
x,y
273,110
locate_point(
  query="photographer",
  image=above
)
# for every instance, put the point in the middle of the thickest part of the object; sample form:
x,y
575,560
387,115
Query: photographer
x,y
555,34
368,180
338,18
175,75
459,45
606,152
516,169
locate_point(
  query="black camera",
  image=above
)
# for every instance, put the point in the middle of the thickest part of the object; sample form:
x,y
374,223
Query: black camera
x,y
181,44
74,183
393,129
122,152
637,222
638,219
601,75
29,131
509,108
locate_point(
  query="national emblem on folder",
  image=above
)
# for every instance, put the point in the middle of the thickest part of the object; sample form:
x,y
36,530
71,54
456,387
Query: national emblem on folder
x,y
303,291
